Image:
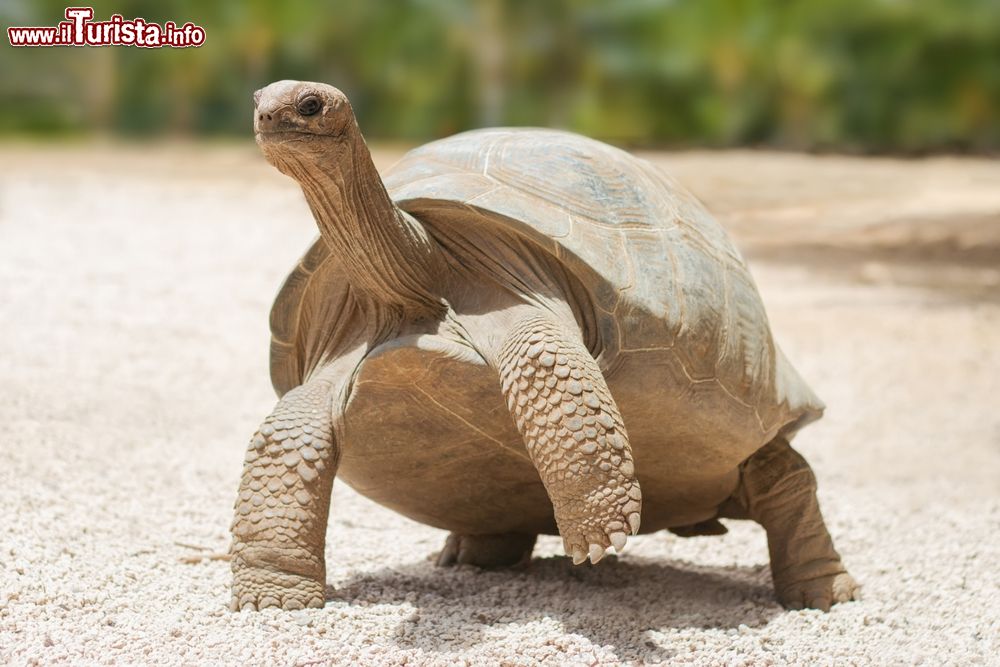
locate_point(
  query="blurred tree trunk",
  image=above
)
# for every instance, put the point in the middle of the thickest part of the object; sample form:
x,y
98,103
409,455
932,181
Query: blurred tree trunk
x,y
489,56
100,88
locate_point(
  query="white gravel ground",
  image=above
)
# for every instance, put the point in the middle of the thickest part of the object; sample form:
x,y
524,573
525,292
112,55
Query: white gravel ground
x,y
134,289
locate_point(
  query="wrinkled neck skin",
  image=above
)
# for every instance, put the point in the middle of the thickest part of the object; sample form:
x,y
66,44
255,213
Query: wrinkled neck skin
x,y
387,254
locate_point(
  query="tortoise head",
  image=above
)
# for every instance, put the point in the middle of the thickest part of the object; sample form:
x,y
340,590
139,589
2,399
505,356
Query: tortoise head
x,y
303,122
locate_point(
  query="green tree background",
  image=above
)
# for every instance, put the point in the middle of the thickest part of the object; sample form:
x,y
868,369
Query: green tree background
x,y
847,75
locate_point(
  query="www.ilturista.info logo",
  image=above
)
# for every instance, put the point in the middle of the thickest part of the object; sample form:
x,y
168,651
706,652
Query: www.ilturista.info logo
x,y
79,30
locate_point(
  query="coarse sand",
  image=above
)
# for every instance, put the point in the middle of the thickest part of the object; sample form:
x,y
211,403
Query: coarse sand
x,y
135,284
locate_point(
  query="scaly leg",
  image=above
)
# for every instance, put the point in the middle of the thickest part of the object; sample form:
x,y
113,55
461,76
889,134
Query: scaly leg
x,y
778,490
574,435
279,531
503,550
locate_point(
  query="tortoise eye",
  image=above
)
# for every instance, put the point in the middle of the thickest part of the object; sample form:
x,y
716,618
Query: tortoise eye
x,y
309,106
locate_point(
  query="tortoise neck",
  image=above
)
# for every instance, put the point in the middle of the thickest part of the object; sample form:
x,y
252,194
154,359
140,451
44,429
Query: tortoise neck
x,y
388,254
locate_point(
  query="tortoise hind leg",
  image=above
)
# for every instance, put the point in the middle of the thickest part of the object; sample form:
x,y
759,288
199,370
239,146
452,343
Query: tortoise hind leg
x,y
778,490
503,550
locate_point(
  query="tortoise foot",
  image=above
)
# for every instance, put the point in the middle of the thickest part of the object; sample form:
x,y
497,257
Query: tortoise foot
x,y
489,551
265,578
607,526
819,593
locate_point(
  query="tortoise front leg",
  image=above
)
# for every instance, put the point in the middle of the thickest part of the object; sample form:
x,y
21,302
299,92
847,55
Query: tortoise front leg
x,y
279,531
574,435
778,490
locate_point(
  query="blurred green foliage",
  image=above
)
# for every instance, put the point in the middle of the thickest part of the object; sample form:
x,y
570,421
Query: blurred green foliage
x,y
866,75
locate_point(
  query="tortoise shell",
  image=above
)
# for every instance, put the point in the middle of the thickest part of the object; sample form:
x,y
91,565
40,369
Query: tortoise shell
x,y
662,275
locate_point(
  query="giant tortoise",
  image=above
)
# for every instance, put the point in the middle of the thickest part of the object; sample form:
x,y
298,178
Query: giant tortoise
x,y
510,333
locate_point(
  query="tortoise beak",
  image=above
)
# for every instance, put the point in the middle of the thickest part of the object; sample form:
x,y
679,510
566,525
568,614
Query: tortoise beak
x,y
271,116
